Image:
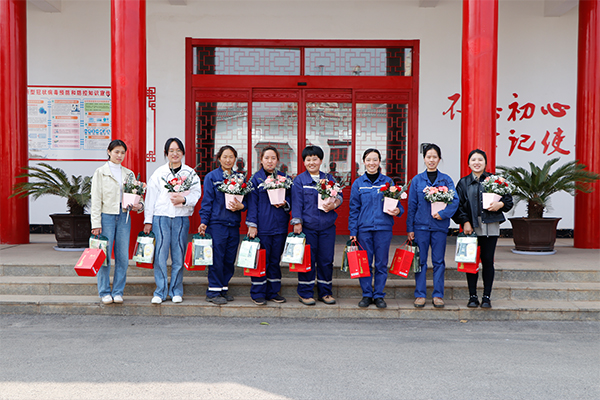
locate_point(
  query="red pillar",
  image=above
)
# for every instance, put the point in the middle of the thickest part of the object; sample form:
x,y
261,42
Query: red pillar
x,y
587,142
14,212
128,61
479,77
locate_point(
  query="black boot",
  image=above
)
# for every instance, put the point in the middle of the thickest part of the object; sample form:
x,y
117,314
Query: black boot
x,y
486,302
473,302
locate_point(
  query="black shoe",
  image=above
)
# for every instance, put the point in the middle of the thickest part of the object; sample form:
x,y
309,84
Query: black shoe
x,y
260,301
365,302
227,297
380,303
473,302
278,299
486,302
216,300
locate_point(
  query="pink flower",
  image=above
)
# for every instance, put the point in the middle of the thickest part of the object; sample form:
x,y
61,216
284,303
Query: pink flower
x,y
334,193
443,189
281,178
134,191
231,187
269,179
393,189
403,196
177,188
183,178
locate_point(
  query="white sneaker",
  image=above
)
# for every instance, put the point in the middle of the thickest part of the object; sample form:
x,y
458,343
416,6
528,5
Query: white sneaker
x,y
176,299
118,299
156,300
107,299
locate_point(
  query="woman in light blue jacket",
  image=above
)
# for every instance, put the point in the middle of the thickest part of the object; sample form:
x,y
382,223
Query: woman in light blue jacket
x,y
372,227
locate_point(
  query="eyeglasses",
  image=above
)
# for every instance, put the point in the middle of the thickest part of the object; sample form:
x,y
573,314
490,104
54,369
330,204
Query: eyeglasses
x,y
175,151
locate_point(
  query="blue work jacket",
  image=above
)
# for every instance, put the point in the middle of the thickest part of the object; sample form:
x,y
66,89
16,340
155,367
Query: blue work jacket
x,y
268,219
366,206
213,210
419,209
305,203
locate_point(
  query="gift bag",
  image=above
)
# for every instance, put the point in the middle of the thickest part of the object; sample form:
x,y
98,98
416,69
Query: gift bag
x,y
466,248
416,263
306,265
90,262
248,252
470,268
293,252
261,269
199,253
358,263
143,253
350,246
100,242
402,261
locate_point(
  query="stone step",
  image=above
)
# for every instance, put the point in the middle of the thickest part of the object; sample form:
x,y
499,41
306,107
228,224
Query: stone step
x,y
342,288
503,309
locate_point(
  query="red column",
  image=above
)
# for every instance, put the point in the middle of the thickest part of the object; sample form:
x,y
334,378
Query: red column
x,y
479,76
128,61
587,142
14,212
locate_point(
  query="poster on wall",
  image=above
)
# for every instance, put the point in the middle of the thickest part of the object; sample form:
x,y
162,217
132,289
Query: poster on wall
x,y
68,123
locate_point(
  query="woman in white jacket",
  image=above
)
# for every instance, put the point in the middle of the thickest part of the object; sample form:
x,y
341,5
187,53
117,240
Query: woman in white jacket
x,y
108,218
169,205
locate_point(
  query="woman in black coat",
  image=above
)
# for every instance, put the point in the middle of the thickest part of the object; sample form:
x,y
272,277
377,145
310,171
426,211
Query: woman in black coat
x,y
484,222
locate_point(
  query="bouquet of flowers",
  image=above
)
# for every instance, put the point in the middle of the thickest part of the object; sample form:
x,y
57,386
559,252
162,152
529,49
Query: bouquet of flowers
x,y
497,185
134,186
328,190
276,181
179,183
234,184
438,194
393,192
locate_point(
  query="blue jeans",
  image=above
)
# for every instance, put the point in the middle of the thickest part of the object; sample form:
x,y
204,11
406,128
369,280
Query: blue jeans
x,y
376,243
116,230
225,245
437,241
171,233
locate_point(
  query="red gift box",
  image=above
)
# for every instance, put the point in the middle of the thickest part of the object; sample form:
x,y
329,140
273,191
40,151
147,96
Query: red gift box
x,y
358,264
306,265
401,262
90,262
187,261
144,265
260,269
470,268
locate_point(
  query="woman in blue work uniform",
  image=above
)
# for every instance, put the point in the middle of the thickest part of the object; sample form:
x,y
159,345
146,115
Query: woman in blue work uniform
x,y
372,227
270,223
223,225
428,230
317,225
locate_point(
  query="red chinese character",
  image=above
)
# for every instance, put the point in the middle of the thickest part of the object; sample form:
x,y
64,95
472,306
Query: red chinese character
x,y
61,92
79,93
85,92
498,111
528,110
556,141
454,99
519,142
557,110
44,91
102,93
95,93
38,91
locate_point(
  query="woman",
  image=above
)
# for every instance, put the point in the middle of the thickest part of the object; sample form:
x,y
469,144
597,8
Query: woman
x,y
223,224
108,218
372,227
428,230
318,226
484,222
168,216
270,223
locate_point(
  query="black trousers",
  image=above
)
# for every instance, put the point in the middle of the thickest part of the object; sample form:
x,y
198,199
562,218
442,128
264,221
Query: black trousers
x,y
487,248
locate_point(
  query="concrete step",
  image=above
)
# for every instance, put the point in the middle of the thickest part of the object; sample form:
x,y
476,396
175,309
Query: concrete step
x,y
342,288
345,308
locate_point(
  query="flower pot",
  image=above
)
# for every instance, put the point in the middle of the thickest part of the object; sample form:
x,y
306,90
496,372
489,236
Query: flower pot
x,y
276,196
437,206
489,198
534,234
322,202
231,197
389,204
72,231
130,199
172,194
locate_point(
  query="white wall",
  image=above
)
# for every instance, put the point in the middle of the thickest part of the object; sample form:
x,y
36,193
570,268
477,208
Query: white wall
x,y
537,60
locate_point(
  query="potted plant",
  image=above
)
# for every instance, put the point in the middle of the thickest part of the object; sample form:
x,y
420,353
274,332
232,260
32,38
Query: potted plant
x,y
71,230
535,233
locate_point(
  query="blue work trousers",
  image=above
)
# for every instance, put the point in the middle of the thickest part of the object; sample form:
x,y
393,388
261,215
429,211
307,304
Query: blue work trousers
x,y
225,246
171,233
376,243
437,241
322,249
267,287
117,231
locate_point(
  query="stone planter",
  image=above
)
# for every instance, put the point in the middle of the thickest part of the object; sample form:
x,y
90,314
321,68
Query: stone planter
x,y
534,234
72,231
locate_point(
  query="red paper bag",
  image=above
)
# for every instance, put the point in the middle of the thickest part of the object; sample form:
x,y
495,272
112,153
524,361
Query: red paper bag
x,y
90,262
401,262
187,261
470,268
306,262
261,269
358,264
